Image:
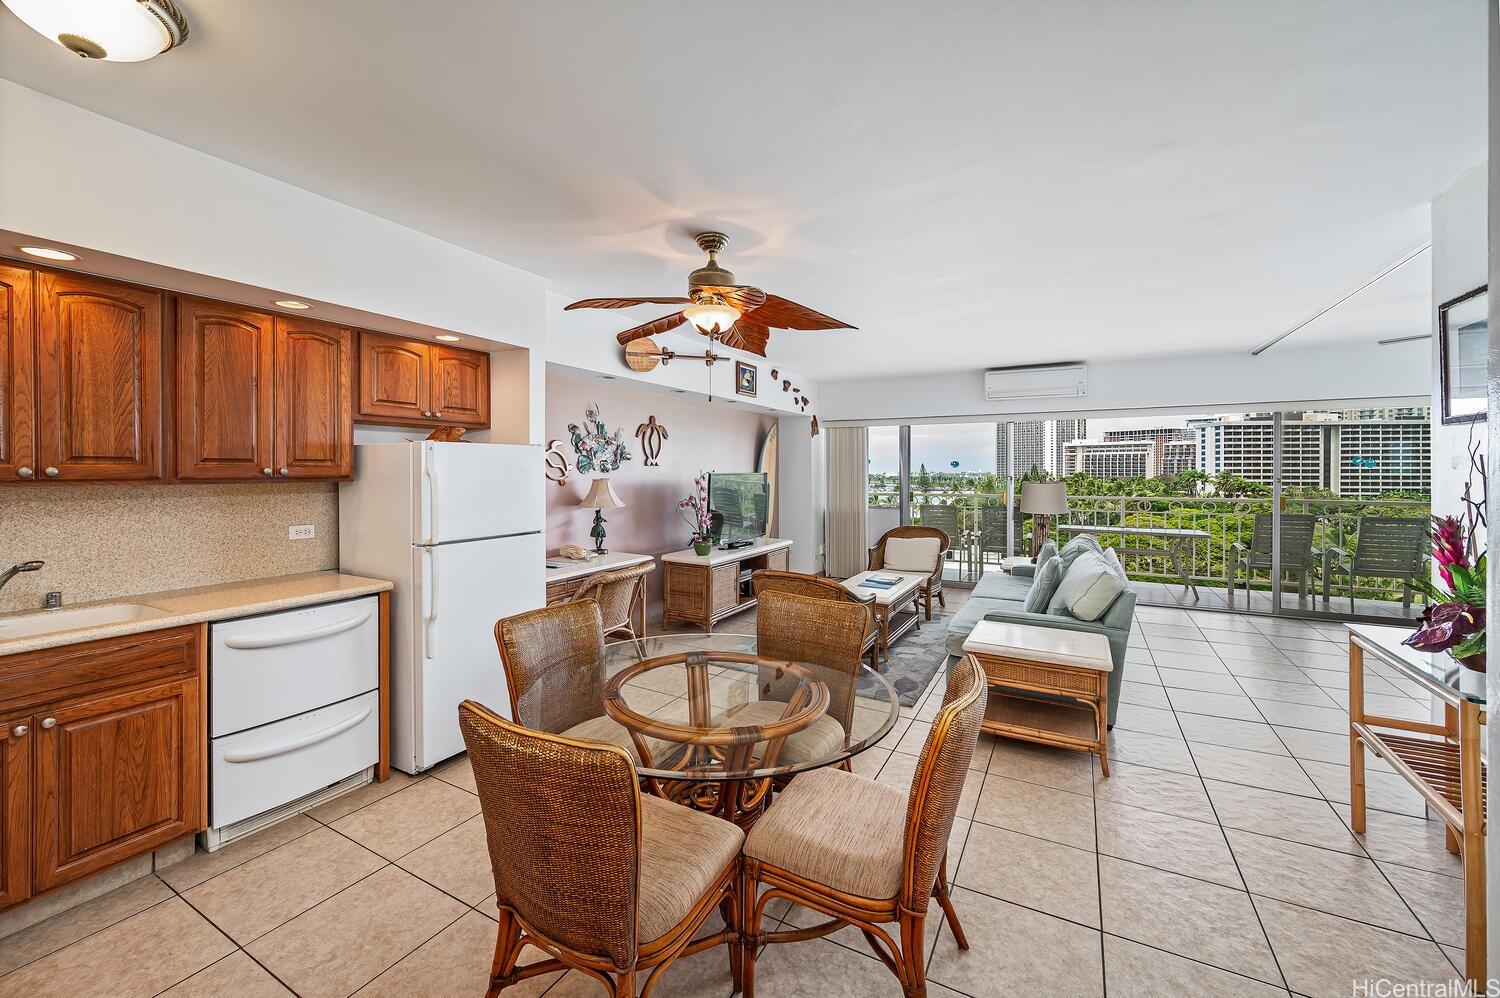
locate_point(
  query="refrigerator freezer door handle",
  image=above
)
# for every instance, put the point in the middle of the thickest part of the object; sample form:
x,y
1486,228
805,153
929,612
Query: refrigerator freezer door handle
x,y
429,615
429,470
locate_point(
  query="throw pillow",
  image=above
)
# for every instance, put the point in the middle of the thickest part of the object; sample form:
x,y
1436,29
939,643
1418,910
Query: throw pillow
x,y
1080,545
1087,589
1047,553
1113,561
911,554
1043,586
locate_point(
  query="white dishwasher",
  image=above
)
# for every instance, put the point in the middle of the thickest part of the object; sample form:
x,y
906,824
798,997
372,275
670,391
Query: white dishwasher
x,y
294,712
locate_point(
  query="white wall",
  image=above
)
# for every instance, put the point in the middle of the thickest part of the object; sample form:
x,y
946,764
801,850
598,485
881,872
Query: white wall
x,y
802,500
1283,374
1460,263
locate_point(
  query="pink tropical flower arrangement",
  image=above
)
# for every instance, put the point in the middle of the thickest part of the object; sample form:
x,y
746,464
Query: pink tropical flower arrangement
x,y
1454,621
694,510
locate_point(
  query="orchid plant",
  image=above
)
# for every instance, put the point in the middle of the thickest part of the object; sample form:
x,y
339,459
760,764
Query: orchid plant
x,y
1455,619
694,510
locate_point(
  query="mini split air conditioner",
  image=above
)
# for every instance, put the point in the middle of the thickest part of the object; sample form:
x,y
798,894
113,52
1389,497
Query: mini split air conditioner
x,y
1036,381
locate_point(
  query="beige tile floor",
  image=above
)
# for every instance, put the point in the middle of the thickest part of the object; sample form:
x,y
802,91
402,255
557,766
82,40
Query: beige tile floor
x,y
1217,859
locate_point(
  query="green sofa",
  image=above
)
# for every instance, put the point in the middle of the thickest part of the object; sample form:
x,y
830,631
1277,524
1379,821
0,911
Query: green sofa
x,y
999,596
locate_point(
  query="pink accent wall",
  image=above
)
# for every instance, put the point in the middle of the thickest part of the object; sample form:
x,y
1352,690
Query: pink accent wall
x,y
701,436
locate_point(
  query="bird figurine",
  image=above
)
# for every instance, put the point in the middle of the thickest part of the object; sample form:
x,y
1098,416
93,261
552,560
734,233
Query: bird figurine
x,y
651,434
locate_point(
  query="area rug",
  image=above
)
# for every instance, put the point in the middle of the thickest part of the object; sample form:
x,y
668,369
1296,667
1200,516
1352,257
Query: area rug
x,y
915,658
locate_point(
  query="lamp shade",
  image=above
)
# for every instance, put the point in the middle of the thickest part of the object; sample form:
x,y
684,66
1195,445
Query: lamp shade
x,y
1044,497
601,496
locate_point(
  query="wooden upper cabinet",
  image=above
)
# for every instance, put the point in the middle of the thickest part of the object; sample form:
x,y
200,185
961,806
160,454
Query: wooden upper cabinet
x,y
395,382
115,776
16,738
99,369
413,382
225,405
460,386
314,399
17,374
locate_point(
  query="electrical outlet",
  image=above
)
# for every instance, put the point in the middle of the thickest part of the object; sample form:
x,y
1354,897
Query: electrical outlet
x,y
302,532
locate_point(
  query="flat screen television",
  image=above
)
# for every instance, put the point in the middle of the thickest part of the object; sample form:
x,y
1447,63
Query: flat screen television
x,y
741,502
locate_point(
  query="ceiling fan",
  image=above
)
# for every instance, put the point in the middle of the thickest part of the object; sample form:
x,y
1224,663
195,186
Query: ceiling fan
x,y
736,315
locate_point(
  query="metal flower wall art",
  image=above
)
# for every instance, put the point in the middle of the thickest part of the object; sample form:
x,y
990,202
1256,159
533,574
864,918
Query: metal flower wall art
x,y
598,449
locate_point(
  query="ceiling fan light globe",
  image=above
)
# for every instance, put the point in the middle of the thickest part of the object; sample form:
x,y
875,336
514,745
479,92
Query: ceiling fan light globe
x,y
111,30
712,318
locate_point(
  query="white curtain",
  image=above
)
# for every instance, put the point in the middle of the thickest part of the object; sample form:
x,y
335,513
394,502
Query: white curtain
x,y
848,470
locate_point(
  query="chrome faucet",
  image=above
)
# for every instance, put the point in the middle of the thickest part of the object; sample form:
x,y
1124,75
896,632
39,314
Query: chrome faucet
x,y
17,569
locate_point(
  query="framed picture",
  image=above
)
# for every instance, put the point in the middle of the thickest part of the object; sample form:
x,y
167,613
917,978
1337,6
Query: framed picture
x,y
1463,341
745,379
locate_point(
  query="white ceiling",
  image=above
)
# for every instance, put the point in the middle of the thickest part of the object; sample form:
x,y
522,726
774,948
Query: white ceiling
x,y
972,183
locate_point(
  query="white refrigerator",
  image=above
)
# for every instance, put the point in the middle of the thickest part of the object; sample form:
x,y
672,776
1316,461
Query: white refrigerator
x,y
459,528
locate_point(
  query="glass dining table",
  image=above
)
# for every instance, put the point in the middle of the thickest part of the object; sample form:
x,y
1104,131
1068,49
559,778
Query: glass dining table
x,y
714,725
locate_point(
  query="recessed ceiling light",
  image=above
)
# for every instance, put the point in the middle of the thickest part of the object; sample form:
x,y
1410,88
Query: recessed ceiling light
x,y
680,391
293,303
607,377
447,338
47,253
112,30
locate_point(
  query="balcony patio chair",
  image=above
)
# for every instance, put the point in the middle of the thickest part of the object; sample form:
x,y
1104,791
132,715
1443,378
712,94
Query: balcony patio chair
x,y
1296,551
910,549
765,580
605,880
864,853
992,534
944,518
560,649
1386,547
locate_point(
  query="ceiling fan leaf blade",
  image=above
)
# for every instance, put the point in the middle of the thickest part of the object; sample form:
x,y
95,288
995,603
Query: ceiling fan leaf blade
x,y
751,337
779,313
662,325
741,296
624,302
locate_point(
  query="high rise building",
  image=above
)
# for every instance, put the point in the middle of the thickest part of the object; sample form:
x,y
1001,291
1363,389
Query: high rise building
x,y
1349,453
1157,435
1110,458
1038,443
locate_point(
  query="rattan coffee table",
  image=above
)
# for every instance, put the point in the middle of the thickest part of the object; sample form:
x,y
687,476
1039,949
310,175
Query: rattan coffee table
x,y
896,610
1070,668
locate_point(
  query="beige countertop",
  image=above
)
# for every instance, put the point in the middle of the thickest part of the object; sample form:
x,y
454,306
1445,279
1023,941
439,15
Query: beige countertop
x,y
560,569
761,545
194,606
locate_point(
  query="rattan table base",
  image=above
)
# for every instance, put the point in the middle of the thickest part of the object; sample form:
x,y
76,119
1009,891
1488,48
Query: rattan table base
x,y
1076,719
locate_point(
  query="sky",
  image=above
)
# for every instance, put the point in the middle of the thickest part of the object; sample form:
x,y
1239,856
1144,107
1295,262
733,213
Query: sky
x,y
972,445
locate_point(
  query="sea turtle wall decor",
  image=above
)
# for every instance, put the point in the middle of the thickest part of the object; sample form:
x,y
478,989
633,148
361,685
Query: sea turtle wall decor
x,y
598,450
556,461
651,434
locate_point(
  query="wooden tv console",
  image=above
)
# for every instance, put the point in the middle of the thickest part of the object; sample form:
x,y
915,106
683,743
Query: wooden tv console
x,y
703,589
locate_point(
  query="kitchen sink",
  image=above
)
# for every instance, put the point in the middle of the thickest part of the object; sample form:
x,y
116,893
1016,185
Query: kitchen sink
x,y
29,625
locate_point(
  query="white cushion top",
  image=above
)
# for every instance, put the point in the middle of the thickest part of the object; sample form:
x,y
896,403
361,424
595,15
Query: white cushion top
x,y
912,554
1044,645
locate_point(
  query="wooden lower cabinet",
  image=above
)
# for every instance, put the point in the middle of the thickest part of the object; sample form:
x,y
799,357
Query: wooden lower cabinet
x,y
109,771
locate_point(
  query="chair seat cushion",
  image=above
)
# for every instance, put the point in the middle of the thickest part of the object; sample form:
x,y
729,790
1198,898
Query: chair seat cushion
x,y
682,853
819,740
911,554
606,729
837,829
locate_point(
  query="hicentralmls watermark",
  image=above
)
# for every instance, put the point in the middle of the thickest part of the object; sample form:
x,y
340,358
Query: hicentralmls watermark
x,y
1382,988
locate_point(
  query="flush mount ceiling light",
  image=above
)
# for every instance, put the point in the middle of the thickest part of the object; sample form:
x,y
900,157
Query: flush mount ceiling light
x,y
112,30
447,338
47,253
300,306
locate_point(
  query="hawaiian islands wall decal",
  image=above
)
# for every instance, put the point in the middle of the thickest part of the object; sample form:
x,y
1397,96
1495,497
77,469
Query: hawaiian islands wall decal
x,y
651,434
598,450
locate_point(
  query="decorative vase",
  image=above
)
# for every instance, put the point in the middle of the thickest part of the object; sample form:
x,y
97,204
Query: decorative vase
x,y
1474,662
702,547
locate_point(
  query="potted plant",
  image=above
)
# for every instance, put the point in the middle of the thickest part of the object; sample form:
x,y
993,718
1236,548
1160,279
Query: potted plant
x,y
1454,621
694,511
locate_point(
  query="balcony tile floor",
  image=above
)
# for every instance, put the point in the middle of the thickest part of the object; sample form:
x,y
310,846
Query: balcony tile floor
x,y
1217,859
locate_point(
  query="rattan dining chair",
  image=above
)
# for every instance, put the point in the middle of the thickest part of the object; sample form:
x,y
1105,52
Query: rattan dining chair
x,y
553,659
933,584
621,596
764,580
603,879
809,629
838,843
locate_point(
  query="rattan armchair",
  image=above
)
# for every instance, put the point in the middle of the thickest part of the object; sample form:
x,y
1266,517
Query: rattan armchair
x,y
621,596
553,659
603,880
764,580
933,584
837,843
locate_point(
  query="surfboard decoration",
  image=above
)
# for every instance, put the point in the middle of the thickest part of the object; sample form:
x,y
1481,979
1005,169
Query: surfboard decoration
x,y
766,462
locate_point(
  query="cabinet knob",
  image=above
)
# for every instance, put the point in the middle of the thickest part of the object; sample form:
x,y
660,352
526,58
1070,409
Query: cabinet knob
x,y
49,723
426,414
50,472
438,415
267,471
284,472
20,730
25,472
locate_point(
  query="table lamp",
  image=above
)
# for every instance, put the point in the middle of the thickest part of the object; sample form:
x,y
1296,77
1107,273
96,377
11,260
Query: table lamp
x,y
1043,500
601,497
